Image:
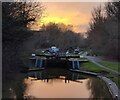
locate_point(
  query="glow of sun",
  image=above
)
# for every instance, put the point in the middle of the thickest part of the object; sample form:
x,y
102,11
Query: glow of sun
x,y
49,19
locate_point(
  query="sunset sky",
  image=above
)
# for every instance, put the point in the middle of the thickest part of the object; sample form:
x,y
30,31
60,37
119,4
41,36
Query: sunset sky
x,y
77,14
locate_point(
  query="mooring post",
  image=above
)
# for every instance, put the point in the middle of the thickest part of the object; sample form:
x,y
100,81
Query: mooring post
x,y
36,62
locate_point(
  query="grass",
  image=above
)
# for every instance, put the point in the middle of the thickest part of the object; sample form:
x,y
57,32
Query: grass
x,y
81,52
114,78
89,66
35,69
82,58
79,59
112,65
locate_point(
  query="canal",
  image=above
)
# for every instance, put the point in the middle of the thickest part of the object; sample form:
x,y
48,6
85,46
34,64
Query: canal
x,y
54,83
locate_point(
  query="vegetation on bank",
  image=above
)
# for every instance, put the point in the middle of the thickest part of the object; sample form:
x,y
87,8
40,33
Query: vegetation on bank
x,y
110,64
114,78
89,66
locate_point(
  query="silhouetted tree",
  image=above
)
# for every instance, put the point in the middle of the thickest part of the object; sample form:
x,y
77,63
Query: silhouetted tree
x,y
103,32
16,16
60,35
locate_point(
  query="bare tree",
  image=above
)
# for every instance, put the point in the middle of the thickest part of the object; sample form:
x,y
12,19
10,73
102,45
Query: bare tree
x,y
103,30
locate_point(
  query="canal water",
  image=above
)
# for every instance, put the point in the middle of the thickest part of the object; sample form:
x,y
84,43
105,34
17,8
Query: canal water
x,y
55,83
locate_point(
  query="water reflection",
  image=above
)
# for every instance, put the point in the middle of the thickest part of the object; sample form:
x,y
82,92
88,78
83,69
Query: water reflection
x,y
56,89
59,83
53,83
98,89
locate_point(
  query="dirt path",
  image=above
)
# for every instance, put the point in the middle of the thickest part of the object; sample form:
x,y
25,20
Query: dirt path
x,y
96,61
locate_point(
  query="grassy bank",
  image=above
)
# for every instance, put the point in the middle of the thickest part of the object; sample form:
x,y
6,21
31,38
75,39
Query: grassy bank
x,y
111,65
89,66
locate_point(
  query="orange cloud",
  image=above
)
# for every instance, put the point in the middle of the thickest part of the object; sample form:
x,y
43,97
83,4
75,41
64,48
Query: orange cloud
x,y
77,14
48,19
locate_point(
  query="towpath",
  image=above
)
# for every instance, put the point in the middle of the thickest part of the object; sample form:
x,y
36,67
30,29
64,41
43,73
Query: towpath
x,y
96,61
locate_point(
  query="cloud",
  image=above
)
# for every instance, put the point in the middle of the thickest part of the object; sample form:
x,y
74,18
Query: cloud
x,y
76,13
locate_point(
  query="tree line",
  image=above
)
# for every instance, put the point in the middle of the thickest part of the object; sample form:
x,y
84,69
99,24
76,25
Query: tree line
x,y
103,33
59,35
